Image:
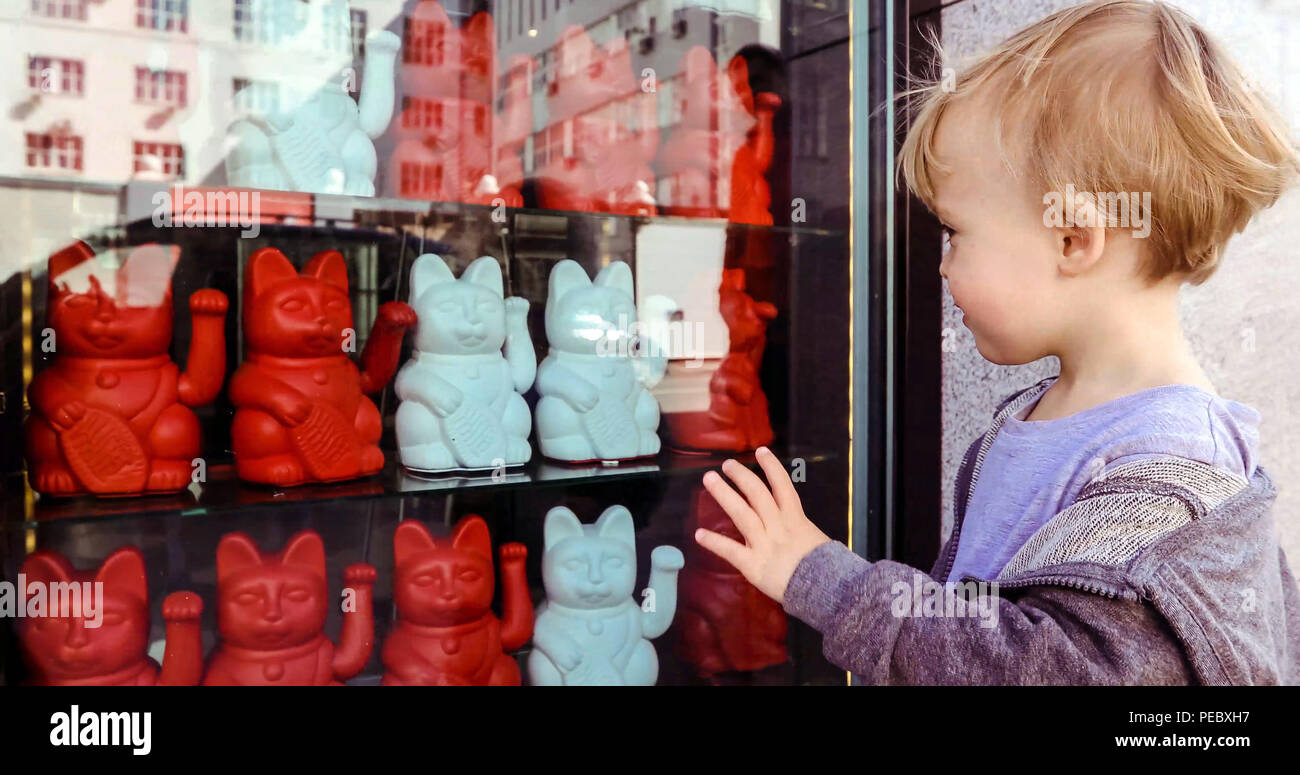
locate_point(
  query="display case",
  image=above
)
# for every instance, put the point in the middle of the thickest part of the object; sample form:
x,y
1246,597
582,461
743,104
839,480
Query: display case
x,y
438,309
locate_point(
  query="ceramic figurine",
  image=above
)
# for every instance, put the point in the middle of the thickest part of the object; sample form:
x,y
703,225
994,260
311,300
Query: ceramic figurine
x,y
725,624
271,611
446,633
325,145
462,406
592,406
698,158
751,196
302,414
737,419
111,415
65,651
604,131
591,630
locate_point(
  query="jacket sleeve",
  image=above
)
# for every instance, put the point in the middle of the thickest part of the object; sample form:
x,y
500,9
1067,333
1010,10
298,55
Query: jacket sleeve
x,y
889,623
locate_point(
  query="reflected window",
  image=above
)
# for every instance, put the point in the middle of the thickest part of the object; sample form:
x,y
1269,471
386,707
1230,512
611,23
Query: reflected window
x,y
60,9
159,160
162,15
358,19
52,151
160,87
56,76
257,97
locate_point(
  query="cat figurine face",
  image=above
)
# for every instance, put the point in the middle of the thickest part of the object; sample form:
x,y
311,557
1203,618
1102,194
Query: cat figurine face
x,y
589,566
294,315
589,317
270,601
441,583
100,311
59,649
465,316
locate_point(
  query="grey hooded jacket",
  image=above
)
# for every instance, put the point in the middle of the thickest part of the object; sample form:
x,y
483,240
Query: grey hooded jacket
x,y
1167,571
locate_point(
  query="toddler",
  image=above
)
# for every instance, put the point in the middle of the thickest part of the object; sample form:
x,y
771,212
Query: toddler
x,y
1113,525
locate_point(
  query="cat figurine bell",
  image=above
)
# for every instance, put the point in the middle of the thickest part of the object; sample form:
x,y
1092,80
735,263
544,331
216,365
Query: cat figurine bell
x,y
462,406
590,630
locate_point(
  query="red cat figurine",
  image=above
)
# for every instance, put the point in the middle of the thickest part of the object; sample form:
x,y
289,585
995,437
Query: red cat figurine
x,y
724,623
64,651
111,415
751,196
446,633
271,612
737,419
302,414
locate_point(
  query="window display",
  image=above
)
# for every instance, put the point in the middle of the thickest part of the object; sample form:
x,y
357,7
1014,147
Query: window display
x,y
387,341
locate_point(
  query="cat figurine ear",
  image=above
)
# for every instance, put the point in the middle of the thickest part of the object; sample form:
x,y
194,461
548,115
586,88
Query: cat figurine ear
x,y
328,266
485,271
565,276
561,523
617,275
236,552
616,523
123,571
427,271
471,535
409,540
305,550
266,268
46,568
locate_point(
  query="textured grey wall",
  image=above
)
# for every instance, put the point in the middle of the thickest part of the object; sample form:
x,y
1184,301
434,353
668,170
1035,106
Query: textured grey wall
x,y
1243,323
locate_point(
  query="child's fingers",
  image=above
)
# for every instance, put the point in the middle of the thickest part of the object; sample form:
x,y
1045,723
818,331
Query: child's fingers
x,y
746,521
733,552
779,480
755,491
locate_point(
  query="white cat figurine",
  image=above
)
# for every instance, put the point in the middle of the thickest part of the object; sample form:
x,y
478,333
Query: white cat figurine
x,y
593,404
590,630
461,404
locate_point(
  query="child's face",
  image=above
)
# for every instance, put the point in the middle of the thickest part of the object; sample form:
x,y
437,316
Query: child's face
x,y
1000,261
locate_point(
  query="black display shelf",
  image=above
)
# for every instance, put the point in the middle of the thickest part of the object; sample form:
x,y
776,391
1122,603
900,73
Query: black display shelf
x,y
224,493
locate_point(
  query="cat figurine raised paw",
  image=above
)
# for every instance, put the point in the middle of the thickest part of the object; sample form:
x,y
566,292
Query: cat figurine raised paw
x,y
461,404
111,415
446,633
593,405
271,611
72,649
590,630
302,414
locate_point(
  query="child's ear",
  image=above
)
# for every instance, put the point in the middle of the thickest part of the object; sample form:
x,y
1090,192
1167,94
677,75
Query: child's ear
x,y
1081,240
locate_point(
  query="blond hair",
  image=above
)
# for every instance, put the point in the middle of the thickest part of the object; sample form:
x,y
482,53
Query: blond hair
x,y
1125,96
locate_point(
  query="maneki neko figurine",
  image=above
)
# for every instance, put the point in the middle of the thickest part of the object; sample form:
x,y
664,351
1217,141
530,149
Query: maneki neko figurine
x,y
462,406
112,413
62,649
302,414
737,419
725,623
698,157
603,134
593,405
591,630
325,145
271,611
446,633
751,195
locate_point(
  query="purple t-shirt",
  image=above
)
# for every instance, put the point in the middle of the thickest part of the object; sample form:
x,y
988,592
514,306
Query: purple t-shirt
x,y
1034,470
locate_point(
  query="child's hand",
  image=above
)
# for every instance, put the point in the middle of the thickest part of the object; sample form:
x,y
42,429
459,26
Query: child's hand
x,y
777,534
